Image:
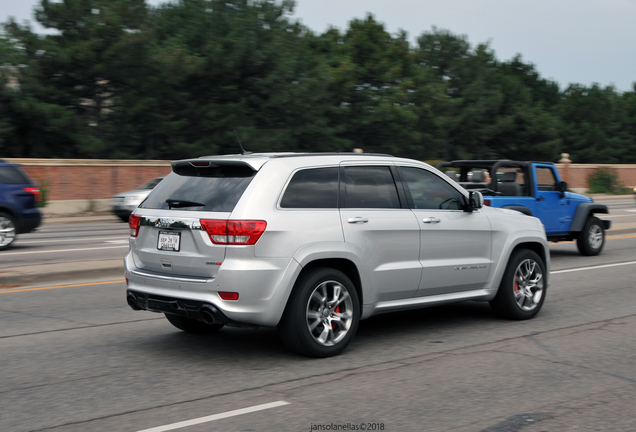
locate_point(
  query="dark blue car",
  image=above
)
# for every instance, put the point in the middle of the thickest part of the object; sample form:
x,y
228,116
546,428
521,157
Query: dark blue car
x,y
18,203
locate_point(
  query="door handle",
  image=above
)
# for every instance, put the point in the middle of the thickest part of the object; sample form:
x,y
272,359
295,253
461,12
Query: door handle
x,y
541,198
357,220
431,220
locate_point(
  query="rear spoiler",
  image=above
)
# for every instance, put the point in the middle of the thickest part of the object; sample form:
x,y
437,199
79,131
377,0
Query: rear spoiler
x,y
211,166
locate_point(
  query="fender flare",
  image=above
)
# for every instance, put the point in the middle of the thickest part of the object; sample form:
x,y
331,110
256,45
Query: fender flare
x,y
583,211
519,208
8,210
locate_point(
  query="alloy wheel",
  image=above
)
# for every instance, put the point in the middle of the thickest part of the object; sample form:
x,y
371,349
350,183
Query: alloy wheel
x,y
7,231
329,313
528,284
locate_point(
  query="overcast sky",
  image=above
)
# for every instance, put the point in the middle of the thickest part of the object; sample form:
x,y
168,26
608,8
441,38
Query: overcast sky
x,y
569,41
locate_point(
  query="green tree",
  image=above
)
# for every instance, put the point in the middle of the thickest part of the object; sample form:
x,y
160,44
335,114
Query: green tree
x,y
470,114
30,125
371,87
218,66
490,109
68,85
595,121
117,78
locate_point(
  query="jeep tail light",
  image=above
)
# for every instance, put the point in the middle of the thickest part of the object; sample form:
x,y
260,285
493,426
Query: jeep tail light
x,y
133,224
37,195
487,202
234,232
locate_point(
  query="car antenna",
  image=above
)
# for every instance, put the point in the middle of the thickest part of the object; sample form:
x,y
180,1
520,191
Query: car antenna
x,y
243,152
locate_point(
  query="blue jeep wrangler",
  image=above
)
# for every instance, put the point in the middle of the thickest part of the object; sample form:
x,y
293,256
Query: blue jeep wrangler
x,y
535,188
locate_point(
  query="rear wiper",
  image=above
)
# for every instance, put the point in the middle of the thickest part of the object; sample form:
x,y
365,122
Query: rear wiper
x,y
172,203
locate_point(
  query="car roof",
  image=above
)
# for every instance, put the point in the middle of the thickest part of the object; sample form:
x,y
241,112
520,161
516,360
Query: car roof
x,y
257,160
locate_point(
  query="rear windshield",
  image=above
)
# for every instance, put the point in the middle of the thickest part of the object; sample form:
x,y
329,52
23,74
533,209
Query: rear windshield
x,y
151,184
13,175
212,189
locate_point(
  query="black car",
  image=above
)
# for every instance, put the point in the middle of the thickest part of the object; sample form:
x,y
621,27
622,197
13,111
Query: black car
x,y
18,203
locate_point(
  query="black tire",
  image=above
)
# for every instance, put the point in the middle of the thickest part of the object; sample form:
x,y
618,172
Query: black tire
x,y
523,288
8,231
322,314
191,325
591,240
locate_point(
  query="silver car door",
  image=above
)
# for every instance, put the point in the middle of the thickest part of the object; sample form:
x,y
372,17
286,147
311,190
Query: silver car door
x,y
381,236
455,244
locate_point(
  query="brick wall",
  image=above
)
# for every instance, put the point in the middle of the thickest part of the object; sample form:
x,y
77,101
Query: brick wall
x,y
92,179
576,174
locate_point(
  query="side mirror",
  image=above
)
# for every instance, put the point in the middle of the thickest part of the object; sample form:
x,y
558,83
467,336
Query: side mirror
x,y
475,201
562,187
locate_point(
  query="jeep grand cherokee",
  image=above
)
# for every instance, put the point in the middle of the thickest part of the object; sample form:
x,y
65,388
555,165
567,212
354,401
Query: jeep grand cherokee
x,y
313,243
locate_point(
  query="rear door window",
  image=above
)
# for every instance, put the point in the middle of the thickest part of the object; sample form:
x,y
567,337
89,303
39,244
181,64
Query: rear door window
x,y
312,188
370,187
214,189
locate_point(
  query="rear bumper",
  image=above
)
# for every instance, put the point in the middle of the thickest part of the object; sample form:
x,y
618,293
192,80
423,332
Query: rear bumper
x,y
263,287
29,221
198,310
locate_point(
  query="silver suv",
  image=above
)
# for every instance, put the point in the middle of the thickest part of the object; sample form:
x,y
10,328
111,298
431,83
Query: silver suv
x,y
313,243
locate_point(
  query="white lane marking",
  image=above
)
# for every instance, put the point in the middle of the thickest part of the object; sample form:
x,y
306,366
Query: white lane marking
x,y
593,267
612,216
65,239
117,241
214,417
64,250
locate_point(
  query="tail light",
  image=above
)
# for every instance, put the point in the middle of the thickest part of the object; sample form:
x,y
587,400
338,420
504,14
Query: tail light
x,y
234,232
133,224
229,295
36,193
487,202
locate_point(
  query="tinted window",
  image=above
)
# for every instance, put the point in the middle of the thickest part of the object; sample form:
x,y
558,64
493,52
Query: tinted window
x,y
312,188
370,187
206,190
13,175
428,191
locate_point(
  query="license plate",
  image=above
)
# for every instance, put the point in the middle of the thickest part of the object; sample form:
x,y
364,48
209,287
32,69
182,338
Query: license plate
x,y
169,241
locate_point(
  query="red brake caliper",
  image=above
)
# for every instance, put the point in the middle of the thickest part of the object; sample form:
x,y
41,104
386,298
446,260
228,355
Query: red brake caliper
x,y
336,310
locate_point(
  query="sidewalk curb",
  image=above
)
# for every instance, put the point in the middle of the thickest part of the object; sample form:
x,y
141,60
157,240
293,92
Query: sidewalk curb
x,y
51,274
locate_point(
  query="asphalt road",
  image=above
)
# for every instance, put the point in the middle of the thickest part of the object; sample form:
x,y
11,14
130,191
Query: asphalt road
x,y
63,240
74,357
